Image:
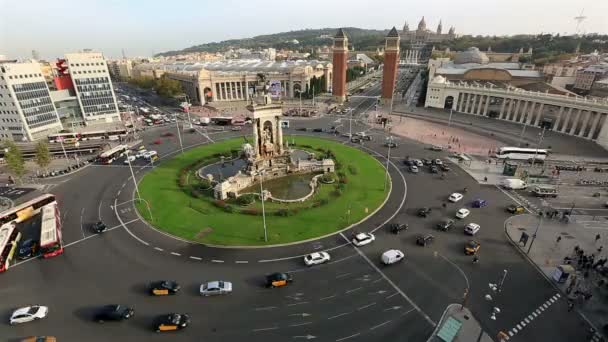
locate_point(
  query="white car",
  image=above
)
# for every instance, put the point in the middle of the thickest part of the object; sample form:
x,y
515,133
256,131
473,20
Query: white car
x,y
150,154
129,159
141,153
438,162
316,258
214,288
471,228
28,314
462,213
392,256
455,197
363,239
418,162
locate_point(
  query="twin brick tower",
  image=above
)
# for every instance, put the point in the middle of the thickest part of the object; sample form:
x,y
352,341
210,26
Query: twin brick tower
x,y
340,64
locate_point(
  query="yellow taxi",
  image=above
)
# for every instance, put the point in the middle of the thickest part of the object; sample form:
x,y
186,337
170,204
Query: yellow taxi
x,y
471,247
164,288
39,339
278,279
172,322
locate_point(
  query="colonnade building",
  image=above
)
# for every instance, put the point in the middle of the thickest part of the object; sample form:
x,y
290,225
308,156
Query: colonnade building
x,y
234,80
516,94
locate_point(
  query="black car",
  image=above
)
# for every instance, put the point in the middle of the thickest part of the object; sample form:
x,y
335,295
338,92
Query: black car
x,y
445,224
164,287
355,139
278,279
27,249
424,212
99,227
427,161
395,228
303,129
423,240
409,162
444,167
434,169
171,322
436,148
318,130
114,313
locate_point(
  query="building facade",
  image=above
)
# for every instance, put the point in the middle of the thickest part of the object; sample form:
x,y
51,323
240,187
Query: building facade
x,y
121,69
27,112
422,36
585,77
91,80
340,64
234,80
391,61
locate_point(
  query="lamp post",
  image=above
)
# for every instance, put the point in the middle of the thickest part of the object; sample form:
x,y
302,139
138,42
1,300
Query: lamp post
x,y
523,130
502,281
179,135
263,209
450,118
128,152
388,158
350,125
540,140
540,222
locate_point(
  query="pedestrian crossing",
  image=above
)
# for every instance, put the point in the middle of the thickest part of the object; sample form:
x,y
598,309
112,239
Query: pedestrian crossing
x,y
531,317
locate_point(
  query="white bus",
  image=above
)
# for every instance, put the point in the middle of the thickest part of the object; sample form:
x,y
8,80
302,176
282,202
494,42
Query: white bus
x,y
110,155
518,153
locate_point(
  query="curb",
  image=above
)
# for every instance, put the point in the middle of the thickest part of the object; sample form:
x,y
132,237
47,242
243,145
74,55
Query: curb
x,y
445,312
67,174
289,243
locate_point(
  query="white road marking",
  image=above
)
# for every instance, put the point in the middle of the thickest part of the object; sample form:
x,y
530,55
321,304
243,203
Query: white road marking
x,y
196,258
339,315
353,290
241,262
535,314
93,235
377,280
125,226
300,324
265,329
522,323
379,325
519,327
118,193
511,333
266,308
159,249
347,337
99,210
81,226
537,311
329,297
530,317
527,320
215,260
558,295
176,254
366,306
391,296
342,275
300,303
515,330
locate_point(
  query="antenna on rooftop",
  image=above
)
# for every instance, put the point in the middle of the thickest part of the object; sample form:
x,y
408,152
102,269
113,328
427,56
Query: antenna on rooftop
x,y
579,21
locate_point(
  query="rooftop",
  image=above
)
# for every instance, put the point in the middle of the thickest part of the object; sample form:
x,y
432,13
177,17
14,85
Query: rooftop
x,y
233,66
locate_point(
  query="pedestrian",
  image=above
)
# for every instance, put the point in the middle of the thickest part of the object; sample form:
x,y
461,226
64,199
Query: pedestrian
x,y
599,250
570,306
597,237
559,238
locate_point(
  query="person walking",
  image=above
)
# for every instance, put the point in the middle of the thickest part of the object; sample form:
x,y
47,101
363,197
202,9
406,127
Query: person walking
x,y
597,237
559,238
570,306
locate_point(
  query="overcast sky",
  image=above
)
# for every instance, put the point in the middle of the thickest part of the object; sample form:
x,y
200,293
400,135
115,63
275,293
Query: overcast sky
x,y
144,27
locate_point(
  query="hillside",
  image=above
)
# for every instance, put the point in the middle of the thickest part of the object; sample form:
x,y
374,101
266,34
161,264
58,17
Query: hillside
x,y
362,39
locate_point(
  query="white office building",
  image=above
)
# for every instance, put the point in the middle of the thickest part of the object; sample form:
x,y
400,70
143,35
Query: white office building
x,y
27,112
91,79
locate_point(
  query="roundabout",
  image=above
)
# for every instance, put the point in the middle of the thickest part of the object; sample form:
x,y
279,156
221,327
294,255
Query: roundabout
x,y
186,208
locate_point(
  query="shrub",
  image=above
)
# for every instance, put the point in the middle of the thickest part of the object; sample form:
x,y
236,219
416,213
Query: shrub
x,y
219,203
204,184
252,211
327,178
352,169
343,180
245,200
337,192
228,208
341,174
282,212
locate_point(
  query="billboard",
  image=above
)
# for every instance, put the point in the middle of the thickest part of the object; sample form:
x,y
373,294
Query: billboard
x,y
275,89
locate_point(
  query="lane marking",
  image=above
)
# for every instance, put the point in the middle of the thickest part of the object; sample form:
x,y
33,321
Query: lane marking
x,y
215,260
196,258
265,329
81,225
242,262
93,235
353,290
377,280
366,306
300,303
347,337
391,296
339,315
300,324
266,308
379,325
409,300
125,227
342,275
176,254
519,327
159,249
329,297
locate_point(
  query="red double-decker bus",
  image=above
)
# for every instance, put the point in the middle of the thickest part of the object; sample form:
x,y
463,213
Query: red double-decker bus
x,y
50,231
12,218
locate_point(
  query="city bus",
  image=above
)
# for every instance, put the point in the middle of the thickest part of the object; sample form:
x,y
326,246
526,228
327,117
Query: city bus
x,y
112,154
9,234
66,138
518,153
9,238
50,231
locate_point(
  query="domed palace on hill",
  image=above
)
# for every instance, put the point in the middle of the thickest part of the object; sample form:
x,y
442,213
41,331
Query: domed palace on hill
x,y
422,36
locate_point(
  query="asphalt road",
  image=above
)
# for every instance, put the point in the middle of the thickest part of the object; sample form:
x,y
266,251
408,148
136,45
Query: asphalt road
x,y
353,298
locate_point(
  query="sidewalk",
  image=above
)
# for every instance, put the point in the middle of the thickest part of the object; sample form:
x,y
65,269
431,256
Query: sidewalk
x,y
458,325
547,253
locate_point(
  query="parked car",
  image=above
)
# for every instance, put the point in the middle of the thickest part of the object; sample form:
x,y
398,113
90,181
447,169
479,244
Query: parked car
x,y
471,228
418,162
426,161
471,247
363,239
444,167
318,130
355,140
395,228
27,249
516,209
316,258
462,213
28,314
434,169
278,279
409,162
214,288
129,159
423,240
164,288
413,169
436,148
424,212
392,256
479,203
172,322
437,162
445,224
99,227
114,313
455,197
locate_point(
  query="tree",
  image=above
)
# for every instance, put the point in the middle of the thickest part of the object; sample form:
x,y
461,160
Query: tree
x,y
43,156
14,159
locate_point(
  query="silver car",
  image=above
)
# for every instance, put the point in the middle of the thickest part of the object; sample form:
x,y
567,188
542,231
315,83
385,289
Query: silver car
x,y
217,287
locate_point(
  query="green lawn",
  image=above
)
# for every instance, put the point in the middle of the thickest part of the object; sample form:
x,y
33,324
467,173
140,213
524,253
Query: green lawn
x,y
180,214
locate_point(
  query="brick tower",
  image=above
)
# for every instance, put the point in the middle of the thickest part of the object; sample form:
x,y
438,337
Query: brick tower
x,y
391,60
340,51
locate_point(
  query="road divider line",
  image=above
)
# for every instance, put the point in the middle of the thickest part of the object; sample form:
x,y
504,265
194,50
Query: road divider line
x,y
339,315
366,306
218,261
328,297
265,329
353,290
300,303
300,324
342,275
380,325
242,262
265,308
196,258
176,254
347,337
159,249
391,296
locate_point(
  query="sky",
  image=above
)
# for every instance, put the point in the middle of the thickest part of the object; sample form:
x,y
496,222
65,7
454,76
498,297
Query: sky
x,y
145,27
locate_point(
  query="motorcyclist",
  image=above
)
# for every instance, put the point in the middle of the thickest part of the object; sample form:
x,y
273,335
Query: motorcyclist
x,y
475,259
465,189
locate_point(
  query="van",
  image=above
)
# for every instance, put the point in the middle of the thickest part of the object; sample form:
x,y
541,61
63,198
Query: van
x,y
514,184
392,256
544,191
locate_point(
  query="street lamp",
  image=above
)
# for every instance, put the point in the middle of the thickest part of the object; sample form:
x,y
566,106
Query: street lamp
x,y
261,173
540,222
179,135
132,174
388,157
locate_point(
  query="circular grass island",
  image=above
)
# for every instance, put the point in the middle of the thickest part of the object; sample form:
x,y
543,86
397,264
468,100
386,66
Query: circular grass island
x,y
182,203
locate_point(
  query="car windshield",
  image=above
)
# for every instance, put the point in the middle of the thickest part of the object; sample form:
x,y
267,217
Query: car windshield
x,y
472,244
33,310
361,237
174,318
166,284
